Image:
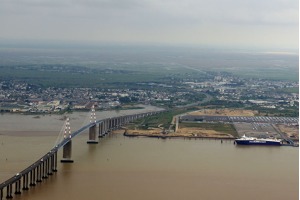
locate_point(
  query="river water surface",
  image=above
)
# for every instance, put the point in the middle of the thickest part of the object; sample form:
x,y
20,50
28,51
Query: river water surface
x,y
121,168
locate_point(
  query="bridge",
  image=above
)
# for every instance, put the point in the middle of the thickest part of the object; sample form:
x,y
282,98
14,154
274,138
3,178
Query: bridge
x,y
47,164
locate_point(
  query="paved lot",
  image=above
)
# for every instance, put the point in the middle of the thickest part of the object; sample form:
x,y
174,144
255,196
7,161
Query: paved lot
x,y
256,119
260,130
256,126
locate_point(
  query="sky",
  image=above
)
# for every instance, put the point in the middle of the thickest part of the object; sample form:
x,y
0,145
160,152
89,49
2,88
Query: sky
x,y
256,23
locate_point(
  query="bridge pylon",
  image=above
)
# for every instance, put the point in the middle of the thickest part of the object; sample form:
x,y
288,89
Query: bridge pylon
x,y
92,129
67,149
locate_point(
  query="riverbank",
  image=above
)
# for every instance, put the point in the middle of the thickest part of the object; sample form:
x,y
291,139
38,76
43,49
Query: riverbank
x,y
158,134
170,136
13,124
141,168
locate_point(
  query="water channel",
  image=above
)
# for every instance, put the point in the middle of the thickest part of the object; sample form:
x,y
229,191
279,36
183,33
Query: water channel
x,y
146,168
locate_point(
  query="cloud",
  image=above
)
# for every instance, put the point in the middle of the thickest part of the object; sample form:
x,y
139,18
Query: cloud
x,y
191,21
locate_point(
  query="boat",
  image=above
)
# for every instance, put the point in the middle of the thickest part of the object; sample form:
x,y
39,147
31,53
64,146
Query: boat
x,y
244,140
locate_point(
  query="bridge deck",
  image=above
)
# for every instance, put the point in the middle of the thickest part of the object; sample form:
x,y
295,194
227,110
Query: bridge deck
x,y
52,151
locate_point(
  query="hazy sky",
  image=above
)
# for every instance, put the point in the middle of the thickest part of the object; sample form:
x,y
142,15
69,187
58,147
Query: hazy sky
x,y
258,23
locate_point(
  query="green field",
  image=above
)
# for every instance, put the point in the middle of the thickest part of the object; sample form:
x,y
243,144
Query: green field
x,y
66,76
99,77
73,79
163,119
106,65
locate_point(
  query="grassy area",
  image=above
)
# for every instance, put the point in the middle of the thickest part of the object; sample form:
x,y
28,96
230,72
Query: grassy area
x,y
162,119
276,112
220,127
81,76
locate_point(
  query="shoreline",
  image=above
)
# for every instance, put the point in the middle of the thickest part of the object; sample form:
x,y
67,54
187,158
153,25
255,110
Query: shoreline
x,y
63,112
176,136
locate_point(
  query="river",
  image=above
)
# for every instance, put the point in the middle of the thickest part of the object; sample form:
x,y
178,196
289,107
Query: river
x,y
146,168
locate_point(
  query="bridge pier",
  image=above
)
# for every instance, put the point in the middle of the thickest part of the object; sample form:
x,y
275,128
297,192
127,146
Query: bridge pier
x,y
111,121
176,123
54,166
48,171
118,122
107,126
100,129
44,169
50,165
92,135
35,175
1,194
111,124
25,182
121,121
67,152
104,128
9,192
39,173
18,187
32,177
115,124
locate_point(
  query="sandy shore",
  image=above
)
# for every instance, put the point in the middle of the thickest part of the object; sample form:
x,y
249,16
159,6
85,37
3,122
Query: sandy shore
x,y
183,133
224,112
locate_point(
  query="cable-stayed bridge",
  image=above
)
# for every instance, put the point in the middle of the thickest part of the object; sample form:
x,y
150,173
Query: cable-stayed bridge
x,y
47,164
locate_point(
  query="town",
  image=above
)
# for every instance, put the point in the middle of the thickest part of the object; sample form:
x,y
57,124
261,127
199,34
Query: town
x,y
275,98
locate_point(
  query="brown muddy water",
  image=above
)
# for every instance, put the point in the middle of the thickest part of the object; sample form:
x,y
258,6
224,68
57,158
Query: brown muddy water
x,y
120,168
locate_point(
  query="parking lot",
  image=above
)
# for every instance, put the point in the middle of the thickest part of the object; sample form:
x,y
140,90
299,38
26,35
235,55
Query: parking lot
x,y
248,119
260,130
255,126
